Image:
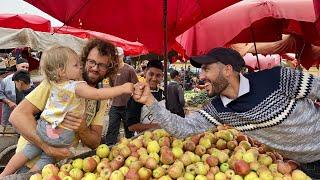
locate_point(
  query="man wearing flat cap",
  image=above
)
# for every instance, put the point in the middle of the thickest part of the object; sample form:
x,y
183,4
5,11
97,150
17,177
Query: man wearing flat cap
x,y
9,95
274,106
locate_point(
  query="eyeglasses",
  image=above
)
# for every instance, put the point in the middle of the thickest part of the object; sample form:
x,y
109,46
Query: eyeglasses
x,y
101,66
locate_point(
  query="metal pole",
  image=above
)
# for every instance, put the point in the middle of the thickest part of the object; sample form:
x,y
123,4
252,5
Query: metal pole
x,y
184,75
300,54
165,54
255,46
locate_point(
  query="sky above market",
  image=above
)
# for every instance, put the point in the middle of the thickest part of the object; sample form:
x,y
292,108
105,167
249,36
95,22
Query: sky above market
x,y
21,7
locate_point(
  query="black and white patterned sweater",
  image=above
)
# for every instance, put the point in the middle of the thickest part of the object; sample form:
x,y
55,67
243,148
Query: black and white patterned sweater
x,y
278,111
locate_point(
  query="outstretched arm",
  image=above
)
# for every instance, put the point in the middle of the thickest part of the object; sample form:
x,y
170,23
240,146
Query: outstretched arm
x,y
174,124
85,91
139,127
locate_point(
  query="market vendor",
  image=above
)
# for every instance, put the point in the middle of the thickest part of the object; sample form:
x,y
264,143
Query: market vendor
x,y
274,106
100,60
9,94
139,118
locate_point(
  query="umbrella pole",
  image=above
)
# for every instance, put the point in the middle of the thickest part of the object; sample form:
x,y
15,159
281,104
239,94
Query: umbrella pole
x,y
184,75
300,54
165,55
255,46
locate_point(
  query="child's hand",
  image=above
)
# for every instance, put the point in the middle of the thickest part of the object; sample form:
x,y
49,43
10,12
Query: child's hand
x,y
128,88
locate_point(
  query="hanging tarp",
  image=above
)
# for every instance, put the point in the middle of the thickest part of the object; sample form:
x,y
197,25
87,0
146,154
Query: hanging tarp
x,y
13,38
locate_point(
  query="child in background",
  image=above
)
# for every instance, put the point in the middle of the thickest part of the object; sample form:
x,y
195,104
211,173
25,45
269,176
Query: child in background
x,y
61,67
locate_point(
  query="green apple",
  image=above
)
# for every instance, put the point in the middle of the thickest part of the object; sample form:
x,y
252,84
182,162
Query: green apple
x,y
265,175
90,176
103,151
201,168
36,176
66,167
177,143
249,157
188,176
63,174
224,167
67,178
251,176
177,152
230,173
77,163
124,170
155,156
116,175
220,176
158,172
76,173
236,177
153,147
205,142
299,175
200,177
265,159
129,160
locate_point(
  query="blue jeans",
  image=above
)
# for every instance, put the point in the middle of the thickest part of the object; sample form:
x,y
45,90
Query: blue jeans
x,y
64,138
115,115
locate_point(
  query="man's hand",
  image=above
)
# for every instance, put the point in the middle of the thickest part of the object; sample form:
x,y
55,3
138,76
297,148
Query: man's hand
x,y
11,104
142,94
56,153
74,122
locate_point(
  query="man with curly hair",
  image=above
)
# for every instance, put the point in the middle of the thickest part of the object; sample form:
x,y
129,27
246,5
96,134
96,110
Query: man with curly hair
x,y
99,61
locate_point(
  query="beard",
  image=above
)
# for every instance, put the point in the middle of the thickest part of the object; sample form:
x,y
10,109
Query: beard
x,y
90,81
217,86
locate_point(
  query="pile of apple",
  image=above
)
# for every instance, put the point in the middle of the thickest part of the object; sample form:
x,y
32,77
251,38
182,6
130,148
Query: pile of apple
x,y
220,154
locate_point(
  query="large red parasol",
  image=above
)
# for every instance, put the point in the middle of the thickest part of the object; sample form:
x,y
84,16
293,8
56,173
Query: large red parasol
x,y
254,20
130,48
19,21
133,20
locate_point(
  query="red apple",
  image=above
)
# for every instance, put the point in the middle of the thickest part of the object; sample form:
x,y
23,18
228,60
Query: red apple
x,y
89,164
212,161
284,168
144,173
49,169
241,167
151,163
189,145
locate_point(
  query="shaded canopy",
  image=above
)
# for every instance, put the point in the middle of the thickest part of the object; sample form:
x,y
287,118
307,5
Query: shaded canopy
x,y
134,20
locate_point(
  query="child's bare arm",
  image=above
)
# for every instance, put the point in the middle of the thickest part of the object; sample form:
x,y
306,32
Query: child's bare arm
x,y
85,91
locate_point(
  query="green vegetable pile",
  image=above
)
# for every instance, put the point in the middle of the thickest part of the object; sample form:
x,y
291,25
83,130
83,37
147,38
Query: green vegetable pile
x,y
196,99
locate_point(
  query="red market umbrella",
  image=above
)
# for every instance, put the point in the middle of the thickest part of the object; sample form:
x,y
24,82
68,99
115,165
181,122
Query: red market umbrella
x,y
154,23
133,20
252,21
130,48
19,21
